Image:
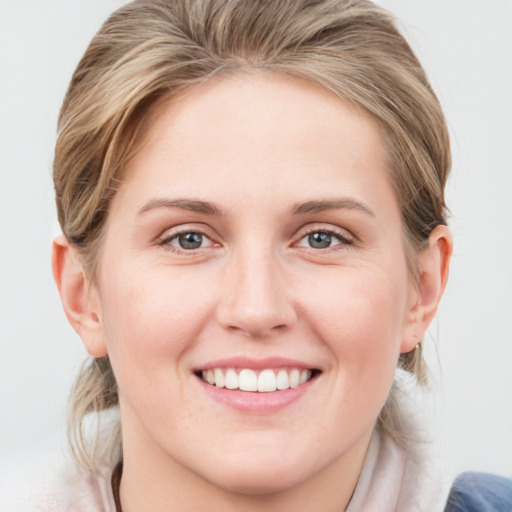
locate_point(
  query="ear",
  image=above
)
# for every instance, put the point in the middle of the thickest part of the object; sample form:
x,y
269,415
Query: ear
x,y
433,266
79,298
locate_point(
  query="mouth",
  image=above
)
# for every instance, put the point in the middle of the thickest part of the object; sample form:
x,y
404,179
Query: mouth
x,y
265,380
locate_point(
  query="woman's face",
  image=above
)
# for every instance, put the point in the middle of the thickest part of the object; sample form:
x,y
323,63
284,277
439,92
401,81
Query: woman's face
x,y
255,240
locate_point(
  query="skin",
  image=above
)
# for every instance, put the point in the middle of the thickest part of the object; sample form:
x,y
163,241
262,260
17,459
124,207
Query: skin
x,y
256,147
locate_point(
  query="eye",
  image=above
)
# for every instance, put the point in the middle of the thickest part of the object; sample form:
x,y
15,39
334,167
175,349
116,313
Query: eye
x,y
319,240
186,241
190,240
323,239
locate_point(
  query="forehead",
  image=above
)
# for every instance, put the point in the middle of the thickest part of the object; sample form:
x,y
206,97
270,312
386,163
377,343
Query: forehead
x,y
289,136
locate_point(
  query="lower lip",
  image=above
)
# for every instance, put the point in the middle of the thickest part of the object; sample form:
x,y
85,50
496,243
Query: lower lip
x,y
255,402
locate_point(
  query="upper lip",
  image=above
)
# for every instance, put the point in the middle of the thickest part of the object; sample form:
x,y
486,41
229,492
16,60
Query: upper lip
x,y
255,364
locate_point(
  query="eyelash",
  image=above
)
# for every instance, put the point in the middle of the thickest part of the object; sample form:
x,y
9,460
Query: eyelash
x,y
165,241
344,240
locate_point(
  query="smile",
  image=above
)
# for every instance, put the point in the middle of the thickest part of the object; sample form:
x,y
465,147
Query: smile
x,y
264,381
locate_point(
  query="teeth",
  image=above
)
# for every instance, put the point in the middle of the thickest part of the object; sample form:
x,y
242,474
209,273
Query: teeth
x,y
231,381
283,382
266,381
248,381
219,377
294,378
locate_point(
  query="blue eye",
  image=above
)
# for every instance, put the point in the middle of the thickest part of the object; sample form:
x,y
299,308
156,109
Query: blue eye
x,y
189,240
319,240
323,240
186,241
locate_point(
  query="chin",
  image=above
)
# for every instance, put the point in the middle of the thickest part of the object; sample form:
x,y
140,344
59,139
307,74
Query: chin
x,y
267,472
258,481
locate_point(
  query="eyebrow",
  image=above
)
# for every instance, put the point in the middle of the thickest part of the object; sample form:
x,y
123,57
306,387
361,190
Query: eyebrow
x,y
190,205
344,203
207,208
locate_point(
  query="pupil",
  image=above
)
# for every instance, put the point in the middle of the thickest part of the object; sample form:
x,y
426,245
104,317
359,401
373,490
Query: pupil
x,y
190,240
319,240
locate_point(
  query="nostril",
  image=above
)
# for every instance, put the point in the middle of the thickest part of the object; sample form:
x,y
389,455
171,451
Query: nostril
x,y
257,330
256,308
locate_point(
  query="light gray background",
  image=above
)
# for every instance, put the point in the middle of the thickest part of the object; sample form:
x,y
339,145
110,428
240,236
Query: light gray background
x,y
466,47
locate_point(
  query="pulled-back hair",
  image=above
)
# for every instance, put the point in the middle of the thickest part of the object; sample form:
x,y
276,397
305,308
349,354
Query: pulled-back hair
x,y
151,50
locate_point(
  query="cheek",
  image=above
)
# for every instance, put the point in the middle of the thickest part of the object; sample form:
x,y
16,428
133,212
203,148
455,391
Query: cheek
x,y
148,319
360,322
354,305
359,317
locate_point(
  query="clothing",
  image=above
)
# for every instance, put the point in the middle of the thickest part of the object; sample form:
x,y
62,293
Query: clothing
x,y
65,490
398,479
480,492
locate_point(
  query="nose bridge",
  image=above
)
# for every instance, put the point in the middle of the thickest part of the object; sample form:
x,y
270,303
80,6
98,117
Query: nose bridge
x,y
256,299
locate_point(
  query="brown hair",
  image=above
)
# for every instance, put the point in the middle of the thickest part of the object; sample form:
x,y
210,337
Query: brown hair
x,y
153,49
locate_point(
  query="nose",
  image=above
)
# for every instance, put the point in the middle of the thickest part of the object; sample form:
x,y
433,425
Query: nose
x,y
256,299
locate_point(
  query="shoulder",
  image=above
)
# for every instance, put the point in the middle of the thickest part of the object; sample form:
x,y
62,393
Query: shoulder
x,y
480,492
43,477
63,490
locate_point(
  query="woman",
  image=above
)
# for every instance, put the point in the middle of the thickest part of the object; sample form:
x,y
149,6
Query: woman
x,y
251,196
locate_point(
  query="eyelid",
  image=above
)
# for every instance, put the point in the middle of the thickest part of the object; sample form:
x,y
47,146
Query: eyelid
x,y
346,238
165,238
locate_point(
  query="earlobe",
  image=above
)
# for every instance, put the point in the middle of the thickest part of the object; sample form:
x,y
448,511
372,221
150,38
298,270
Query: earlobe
x,y
79,299
433,265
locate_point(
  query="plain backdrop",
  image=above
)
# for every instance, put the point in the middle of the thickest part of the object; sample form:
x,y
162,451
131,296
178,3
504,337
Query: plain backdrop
x,y
466,48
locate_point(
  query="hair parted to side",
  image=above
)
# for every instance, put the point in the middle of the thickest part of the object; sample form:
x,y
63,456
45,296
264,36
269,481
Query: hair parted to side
x,y
152,50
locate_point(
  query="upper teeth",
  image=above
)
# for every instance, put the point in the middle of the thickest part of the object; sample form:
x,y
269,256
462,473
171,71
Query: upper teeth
x,y
248,380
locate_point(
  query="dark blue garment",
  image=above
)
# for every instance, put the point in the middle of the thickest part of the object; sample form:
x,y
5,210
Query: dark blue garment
x,y
480,492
